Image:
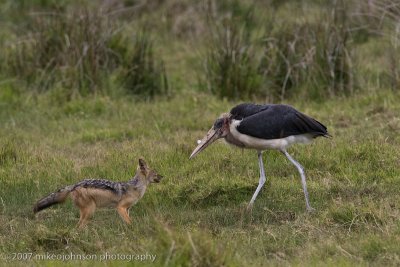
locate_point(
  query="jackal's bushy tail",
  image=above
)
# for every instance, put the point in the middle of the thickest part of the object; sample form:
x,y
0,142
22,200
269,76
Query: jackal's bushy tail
x,y
54,198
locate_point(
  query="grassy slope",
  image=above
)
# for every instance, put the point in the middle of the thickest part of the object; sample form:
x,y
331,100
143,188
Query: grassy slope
x,y
197,214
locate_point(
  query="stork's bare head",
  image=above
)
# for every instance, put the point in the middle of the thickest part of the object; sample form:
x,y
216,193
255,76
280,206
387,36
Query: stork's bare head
x,y
220,129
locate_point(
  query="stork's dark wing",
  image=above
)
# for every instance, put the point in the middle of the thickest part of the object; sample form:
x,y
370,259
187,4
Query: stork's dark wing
x,y
275,121
245,110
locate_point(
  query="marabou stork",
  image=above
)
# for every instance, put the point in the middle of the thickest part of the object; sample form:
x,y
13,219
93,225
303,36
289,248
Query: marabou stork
x,y
264,127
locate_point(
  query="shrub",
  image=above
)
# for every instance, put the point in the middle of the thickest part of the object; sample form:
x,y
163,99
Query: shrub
x,y
313,57
79,49
389,13
229,67
65,48
142,73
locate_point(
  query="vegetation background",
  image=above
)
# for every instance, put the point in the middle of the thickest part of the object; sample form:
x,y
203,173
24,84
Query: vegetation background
x,y
87,87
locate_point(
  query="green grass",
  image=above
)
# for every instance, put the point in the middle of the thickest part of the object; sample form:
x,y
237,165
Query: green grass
x,y
196,215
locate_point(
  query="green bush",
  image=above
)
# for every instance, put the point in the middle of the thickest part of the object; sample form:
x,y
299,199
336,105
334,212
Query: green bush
x,y
142,74
229,69
310,58
69,49
79,49
389,12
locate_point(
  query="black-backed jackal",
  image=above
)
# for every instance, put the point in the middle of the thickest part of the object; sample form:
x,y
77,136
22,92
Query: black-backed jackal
x,y
90,194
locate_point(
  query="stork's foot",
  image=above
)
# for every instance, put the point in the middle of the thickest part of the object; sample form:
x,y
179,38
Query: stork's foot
x,y
310,209
249,207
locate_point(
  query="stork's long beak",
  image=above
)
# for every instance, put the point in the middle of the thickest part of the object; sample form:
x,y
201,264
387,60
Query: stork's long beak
x,y
212,135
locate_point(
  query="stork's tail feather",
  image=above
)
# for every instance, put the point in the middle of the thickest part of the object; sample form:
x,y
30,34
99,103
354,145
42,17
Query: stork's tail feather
x,y
54,198
310,125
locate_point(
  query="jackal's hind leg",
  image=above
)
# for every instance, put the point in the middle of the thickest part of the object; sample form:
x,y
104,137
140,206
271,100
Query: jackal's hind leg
x,y
85,214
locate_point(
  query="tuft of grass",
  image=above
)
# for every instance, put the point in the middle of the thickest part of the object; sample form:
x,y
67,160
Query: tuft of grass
x,y
68,49
309,58
229,69
79,50
390,12
8,153
143,74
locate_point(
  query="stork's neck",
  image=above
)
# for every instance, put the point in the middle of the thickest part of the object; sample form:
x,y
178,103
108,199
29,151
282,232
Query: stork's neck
x,y
230,138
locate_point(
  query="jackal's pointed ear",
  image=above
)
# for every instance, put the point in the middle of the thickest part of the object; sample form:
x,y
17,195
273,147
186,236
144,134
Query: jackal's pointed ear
x,y
142,165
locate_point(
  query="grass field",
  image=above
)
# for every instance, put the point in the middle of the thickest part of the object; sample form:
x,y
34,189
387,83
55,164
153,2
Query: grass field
x,y
196,216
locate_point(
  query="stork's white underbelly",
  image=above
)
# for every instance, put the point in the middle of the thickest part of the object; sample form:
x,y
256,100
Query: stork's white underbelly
x,y
262,144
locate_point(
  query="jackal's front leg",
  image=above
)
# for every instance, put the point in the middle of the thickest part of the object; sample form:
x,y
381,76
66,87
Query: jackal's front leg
x,y
123,212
